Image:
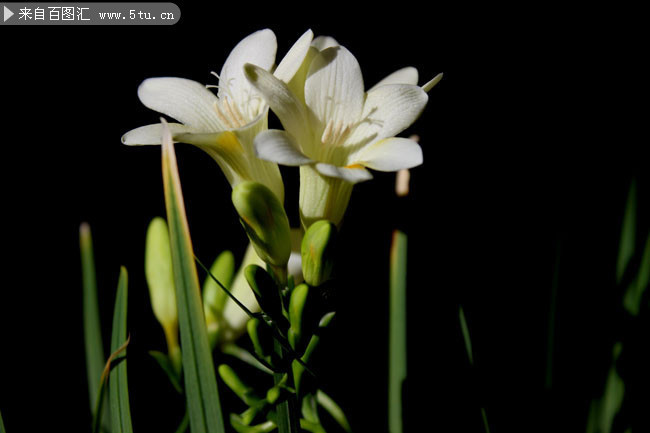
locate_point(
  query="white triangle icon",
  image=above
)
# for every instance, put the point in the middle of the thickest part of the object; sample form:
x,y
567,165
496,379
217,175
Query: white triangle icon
x,y
8,13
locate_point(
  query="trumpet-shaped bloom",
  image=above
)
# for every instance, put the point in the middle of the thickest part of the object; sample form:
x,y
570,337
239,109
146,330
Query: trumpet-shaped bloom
x,y
334,130
223,125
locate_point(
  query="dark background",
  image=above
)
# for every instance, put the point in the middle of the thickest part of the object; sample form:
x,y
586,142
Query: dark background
x,y
529,150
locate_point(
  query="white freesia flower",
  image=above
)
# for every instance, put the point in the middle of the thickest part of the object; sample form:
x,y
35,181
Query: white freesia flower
x,y
223,125
334,130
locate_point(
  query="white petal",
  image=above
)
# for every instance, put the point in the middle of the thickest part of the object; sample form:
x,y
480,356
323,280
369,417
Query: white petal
x,y
259,49
388,110
408,75
431,84
334,88
391,154
351,174
281,100
185,100
294,58
323,42
152,134
278,146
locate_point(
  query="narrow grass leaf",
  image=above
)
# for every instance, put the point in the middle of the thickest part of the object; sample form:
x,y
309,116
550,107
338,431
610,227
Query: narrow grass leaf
x,y
397,331
198,369
465,330
117,382
628,233
634,293
93,343
2,425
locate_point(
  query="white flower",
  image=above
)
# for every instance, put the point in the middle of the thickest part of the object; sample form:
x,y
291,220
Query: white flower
x,y
223,125
334,130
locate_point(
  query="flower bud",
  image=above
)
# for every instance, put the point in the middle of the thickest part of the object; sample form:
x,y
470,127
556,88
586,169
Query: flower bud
x,y
262,338
243,391
160,279
265,290
214,297
265,222
302,317
317,252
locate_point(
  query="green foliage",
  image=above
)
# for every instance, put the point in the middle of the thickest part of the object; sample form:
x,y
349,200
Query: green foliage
x,y
198,370
117,382
397,331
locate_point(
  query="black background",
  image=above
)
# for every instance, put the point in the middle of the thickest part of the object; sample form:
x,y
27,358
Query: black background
x,y
529,149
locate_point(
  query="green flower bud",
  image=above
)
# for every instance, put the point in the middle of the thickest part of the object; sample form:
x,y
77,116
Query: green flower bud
x,y
317,252
265,290
302,317
265,222
262,338
243,391
214,297
160,279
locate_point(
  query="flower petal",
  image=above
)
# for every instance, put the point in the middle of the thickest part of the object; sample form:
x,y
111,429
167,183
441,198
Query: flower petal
x,y
259,49
408,75
278,146
352,174
334,88
283,103
152,134
323,42
294,58
391,154
388,110
185,100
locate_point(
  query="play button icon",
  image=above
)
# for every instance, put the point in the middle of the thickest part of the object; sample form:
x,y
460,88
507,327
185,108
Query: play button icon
x,y
7,13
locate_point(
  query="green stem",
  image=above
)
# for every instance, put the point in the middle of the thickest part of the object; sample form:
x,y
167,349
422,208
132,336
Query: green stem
x,y
288,417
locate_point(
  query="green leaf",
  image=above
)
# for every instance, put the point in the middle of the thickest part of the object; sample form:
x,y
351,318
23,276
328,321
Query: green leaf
x,y
198,369
397,331
92,328
326,402
117,382
465,330
2,425
634,292
628,233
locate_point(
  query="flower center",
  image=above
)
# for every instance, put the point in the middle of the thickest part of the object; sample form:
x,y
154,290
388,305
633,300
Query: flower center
x,y
335,133
229,114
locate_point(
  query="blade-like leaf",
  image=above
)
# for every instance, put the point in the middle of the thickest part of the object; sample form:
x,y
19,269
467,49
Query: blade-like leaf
x,y
634,292
397,331
117,382
198,369
628,233
2,426
92,328
465,330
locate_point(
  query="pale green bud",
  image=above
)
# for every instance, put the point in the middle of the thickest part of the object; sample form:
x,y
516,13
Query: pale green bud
x,y
160,279
265,222
317,252
214,297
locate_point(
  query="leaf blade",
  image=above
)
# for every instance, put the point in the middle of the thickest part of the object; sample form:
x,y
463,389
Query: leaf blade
x,y
117,382
397,331
198,369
